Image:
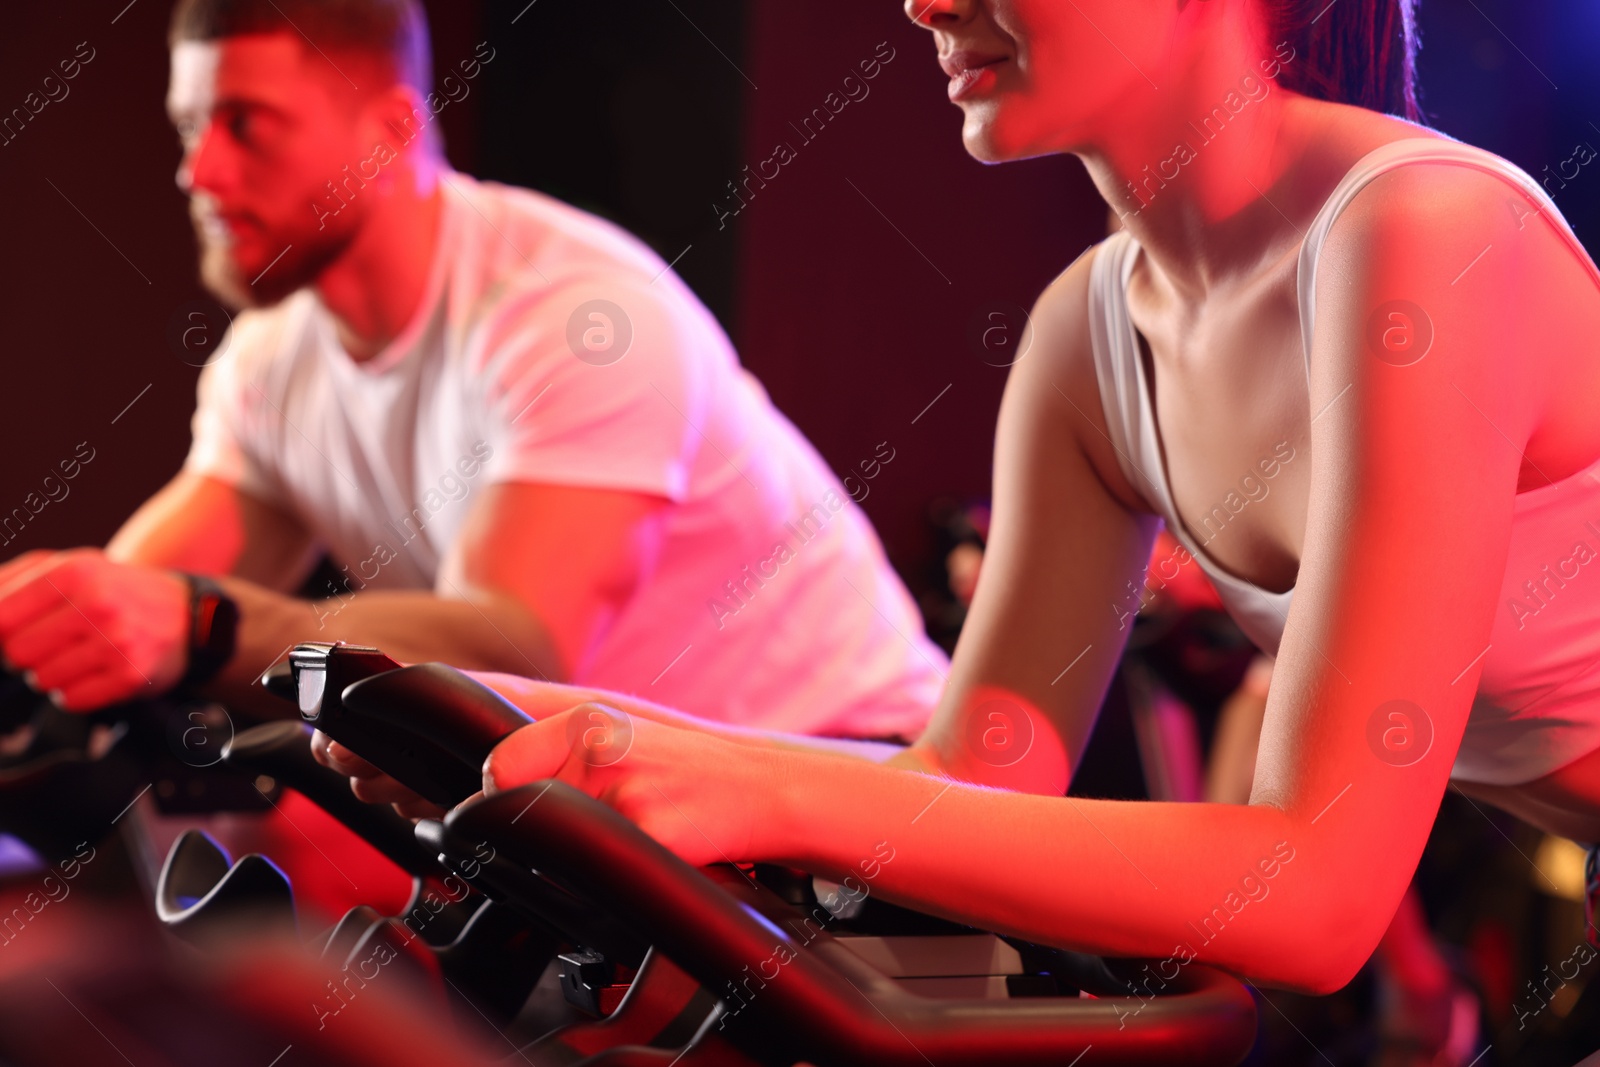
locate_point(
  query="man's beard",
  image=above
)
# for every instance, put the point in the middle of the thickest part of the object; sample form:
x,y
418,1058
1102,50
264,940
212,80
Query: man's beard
x,y
306,255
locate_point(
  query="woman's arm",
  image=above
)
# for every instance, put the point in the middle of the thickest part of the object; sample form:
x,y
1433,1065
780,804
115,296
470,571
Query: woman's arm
x,y
1062,573
1413,481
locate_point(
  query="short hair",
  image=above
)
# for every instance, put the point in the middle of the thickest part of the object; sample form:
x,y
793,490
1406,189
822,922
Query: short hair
x,y
394,32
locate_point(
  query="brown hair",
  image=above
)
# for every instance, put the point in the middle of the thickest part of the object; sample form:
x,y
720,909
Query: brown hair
x,y
1361,52
394,32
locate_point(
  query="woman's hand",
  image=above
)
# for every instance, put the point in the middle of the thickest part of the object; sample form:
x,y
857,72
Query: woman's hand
x,y
708,798
370,784
596,731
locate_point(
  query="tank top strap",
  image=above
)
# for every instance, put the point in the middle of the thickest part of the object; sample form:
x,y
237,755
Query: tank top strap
x,y
1116,363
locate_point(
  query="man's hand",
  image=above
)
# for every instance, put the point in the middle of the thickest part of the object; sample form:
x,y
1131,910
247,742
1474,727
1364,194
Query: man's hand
x,y
91,632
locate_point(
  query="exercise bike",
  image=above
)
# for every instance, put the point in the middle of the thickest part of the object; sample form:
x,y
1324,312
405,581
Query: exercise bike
x,y
663,962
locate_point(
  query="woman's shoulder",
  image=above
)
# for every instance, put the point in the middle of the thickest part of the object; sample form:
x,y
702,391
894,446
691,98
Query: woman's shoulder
x,y
1067,299
1364,182
1054,392
1402,179
1061,327
1334,136
1469,248
1344,149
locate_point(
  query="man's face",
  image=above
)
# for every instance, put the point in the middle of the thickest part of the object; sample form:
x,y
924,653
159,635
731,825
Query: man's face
x,y
266,123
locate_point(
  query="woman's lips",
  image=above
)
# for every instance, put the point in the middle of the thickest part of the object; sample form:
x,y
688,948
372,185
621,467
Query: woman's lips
x,y
970,74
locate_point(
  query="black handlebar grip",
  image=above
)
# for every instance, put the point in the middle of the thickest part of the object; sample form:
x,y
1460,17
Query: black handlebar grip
x,y
18,701
429,726
279,681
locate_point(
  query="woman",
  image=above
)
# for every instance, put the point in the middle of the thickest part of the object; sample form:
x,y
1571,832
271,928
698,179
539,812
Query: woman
x,y
1348,361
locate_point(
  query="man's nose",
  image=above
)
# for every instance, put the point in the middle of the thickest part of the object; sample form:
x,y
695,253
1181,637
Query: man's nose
x,y
202,168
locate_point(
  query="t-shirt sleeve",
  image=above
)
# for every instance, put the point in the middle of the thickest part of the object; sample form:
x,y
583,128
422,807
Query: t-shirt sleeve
x,y
231,427
600,385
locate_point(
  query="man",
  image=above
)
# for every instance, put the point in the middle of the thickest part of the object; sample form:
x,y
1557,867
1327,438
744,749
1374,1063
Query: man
x,y
520,437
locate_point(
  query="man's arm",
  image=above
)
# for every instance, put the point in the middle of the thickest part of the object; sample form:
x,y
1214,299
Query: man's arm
x,y
204,526
93,627
536,576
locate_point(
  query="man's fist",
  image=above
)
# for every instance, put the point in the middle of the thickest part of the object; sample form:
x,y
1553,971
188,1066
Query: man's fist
x,y
91,632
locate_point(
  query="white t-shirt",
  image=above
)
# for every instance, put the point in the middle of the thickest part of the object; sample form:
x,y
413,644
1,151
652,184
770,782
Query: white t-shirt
x,y
771,602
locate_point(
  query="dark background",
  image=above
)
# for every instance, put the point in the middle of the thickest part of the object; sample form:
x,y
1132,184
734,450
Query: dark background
x,y
850,283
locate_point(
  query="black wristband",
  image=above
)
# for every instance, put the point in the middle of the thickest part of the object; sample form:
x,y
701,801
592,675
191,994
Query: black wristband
x,y
213,630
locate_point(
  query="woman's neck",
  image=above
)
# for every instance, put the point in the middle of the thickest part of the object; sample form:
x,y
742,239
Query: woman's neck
x,y
1201,184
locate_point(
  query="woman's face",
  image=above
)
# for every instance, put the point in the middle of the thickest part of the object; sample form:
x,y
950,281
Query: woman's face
x,y
1037,76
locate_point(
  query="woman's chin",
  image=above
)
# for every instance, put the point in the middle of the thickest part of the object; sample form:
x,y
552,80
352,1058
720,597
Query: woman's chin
x,y
988,143
981,144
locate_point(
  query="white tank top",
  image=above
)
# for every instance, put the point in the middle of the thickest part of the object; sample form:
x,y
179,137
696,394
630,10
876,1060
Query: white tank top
x,y
1538,701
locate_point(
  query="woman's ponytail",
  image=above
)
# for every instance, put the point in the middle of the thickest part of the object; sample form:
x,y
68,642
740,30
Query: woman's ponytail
x,y
1361,52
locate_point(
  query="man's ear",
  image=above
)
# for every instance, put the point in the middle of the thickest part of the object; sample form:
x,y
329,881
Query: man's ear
x,y
397,117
